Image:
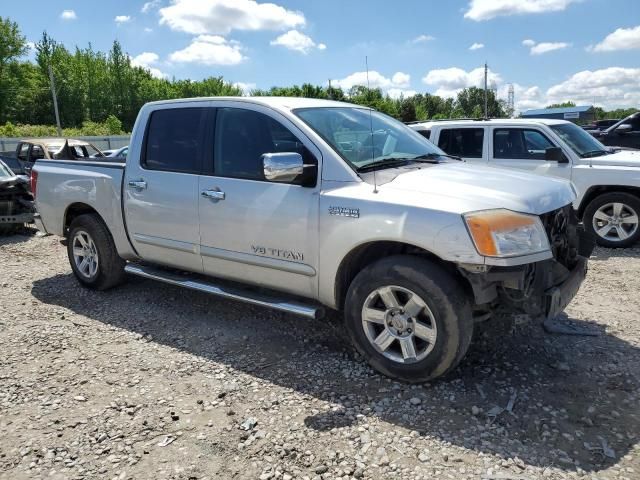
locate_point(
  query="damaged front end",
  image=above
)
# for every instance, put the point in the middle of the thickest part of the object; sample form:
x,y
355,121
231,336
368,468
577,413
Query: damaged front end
x,y
16,203
540,289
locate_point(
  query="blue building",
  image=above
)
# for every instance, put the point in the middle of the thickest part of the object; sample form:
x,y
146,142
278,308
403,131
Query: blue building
x,y
580,114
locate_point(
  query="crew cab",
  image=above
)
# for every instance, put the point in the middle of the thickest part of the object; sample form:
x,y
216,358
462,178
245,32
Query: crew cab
x,y
607,181
301,204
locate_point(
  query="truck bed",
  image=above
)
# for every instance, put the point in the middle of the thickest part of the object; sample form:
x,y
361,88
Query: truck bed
x,y
97,184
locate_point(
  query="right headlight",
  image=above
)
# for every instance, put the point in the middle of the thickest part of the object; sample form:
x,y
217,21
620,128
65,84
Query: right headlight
x,y
503,233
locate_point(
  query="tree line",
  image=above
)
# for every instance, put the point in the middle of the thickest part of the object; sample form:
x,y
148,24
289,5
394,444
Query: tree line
x,y
101,92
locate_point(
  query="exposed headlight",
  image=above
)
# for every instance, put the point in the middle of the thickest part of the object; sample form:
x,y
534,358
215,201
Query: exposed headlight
x,y
503,233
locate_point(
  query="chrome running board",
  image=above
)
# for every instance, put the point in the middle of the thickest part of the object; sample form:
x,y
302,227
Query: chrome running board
x,y
231,292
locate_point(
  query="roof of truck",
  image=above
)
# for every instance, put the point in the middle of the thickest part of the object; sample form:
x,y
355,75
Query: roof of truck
x,y
288,103
491,121
54,141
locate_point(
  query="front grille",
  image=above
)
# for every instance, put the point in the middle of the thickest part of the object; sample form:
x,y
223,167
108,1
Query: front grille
x,y
564,234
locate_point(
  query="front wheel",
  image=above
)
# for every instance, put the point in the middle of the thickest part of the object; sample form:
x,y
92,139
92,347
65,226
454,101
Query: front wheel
x,y
612,218
409,318
92,253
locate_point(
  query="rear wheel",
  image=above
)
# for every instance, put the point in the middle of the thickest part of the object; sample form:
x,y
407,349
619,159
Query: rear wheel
x,y
613,219
93,255
409,318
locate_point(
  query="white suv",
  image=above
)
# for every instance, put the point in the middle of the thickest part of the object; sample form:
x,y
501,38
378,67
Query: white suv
x,y
607,181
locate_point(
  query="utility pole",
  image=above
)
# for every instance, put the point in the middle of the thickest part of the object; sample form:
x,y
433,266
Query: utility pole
x,y
330,92
486,99
55,100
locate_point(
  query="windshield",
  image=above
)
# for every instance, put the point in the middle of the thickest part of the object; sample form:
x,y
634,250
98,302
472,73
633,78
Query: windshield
x,y
364,138
580,141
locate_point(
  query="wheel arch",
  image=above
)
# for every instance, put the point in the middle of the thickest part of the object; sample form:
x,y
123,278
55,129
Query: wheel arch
x,y
367,253
73,211
597,190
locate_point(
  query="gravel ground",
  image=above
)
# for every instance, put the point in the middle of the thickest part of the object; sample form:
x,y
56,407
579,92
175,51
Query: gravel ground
x,y
148,381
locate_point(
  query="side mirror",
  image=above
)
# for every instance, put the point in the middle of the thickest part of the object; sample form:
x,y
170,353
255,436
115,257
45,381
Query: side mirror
x,y
624,128
282,167
554,154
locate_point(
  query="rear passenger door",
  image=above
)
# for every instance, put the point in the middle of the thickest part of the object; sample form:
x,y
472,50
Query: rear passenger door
x,y
524,149
161,187
467,143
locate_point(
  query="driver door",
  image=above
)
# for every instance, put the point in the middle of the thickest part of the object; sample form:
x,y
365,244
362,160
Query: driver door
x,y
253,230
524,149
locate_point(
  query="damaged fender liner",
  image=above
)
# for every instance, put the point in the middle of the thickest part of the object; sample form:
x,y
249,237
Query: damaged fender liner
x,y
541,288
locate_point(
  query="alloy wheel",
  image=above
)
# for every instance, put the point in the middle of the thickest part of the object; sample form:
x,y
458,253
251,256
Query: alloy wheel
x,y
399,324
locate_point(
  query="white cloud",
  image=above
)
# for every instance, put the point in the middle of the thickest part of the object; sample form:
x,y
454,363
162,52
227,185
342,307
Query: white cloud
x,y
422,39
68,15
148,30
610,87
487,9
449,81
528,42
399,80
122,19
401,92
246,88
223,16
148,6
476,46
546,47
621,39
210,50
299,42
146,60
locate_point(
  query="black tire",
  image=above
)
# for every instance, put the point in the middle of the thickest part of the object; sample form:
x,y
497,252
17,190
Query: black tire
x,y
110,267
444,296
627,199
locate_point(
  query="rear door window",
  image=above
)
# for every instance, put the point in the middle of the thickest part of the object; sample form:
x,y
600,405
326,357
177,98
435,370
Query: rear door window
x,y
425,133
174,140
462,142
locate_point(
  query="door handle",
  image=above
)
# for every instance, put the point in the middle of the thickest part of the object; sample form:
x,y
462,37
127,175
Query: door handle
x,y
138,184
215,195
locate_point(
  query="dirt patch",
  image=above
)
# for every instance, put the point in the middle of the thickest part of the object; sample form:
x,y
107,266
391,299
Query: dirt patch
x,y
149,381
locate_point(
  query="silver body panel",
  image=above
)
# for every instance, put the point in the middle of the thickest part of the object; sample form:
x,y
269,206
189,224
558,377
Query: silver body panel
x,y
288,237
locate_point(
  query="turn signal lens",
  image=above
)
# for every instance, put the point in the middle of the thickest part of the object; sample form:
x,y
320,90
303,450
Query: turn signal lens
x,y
503,233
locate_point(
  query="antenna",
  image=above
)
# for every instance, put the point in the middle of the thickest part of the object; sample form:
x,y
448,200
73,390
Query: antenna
x,y
375,184
486,100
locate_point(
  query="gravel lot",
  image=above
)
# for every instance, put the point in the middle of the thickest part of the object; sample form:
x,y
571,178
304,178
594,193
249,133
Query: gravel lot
x,y
148,381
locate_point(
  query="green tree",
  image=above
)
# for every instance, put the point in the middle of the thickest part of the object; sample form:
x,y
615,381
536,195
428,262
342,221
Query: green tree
x,y
13,45
469,103
562,105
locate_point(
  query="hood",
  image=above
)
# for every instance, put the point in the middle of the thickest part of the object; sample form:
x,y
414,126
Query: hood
x,y
463,187
623,158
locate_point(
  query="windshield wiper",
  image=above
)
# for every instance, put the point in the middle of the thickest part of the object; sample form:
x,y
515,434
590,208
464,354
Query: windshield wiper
x,y
594,153
385,162
433,156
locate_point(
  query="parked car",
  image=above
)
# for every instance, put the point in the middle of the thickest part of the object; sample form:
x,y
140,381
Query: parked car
x,y
30,150
117,152
321,203
607,180
625,133
16,201
600,125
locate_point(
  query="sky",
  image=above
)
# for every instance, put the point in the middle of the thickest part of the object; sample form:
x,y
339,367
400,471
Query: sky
x,y
586,51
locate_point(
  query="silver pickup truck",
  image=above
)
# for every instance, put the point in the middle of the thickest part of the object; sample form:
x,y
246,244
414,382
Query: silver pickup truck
x,y
299,204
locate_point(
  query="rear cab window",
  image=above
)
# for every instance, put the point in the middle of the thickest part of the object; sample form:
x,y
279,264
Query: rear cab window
x,y
462,142
174,140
